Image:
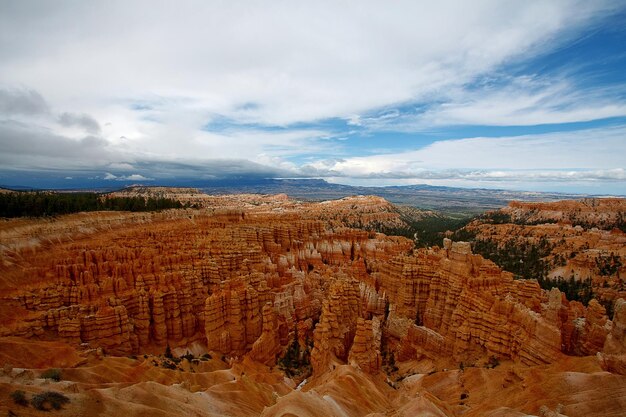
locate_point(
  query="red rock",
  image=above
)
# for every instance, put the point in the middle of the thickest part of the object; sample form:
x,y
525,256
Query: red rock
x,y
365,350
182,276
267,346
613,356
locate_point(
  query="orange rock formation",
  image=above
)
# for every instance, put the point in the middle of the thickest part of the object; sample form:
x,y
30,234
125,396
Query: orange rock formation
x,y
244,281
585,236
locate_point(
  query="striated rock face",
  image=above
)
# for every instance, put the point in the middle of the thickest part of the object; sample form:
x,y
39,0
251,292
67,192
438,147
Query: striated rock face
x,y
259,281
246,277
267,346
183,276
465,307
592,212
613,356
594,329
365,351
616,340
363,212
336,329
580,242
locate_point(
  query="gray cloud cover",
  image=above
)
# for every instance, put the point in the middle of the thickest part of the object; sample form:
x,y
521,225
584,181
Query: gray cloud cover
x,y
84,121
221,89
21,101
27,146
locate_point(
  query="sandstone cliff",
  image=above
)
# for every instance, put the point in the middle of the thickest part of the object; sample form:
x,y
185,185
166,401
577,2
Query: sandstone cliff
x,y
582,241
245,281
243,284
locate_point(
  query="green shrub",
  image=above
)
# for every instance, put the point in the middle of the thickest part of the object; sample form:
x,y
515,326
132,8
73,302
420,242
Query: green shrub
x,y
168,352
496,217
19,397
522,258
295,362
608,264
575,290
53,374
430,230
46,401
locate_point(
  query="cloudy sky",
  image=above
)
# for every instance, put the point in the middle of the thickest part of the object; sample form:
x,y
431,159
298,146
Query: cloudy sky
x,y
498,94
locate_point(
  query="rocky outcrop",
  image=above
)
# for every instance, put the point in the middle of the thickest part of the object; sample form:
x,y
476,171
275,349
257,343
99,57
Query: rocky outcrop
x,y
616,340
108,328
365,350
224,325
362,212
335,331
173,278
260,280
579,240
603,213
613,356
247,279
592,329
467,308
266,348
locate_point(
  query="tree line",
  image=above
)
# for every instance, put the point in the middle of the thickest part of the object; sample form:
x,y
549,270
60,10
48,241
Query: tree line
x,y
42,203
427,231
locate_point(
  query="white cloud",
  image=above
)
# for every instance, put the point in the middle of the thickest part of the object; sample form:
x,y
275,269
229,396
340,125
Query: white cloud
x,y
123,166
292,61
135,177
527,101
132,177
590,154
505,101
132,85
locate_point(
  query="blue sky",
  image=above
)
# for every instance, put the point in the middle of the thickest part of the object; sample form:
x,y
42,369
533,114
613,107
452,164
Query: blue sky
x,y
496,94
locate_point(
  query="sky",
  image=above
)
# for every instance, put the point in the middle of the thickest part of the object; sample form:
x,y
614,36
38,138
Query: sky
x,y
524,95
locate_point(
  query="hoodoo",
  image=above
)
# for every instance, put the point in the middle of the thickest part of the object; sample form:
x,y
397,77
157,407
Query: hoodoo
x,y
265,292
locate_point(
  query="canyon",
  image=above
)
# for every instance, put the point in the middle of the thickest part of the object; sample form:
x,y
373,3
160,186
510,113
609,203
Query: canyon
x,y
578,241
263,305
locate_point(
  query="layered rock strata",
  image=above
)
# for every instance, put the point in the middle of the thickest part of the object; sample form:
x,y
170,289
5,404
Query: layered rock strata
x,y
246,281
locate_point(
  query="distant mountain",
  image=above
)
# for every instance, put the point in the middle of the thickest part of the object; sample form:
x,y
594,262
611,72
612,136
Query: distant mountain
x,y
450,200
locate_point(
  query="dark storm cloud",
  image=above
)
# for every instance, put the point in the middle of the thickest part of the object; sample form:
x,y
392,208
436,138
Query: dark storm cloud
x,y
22,144
38,153
84,121
21,101
209,169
